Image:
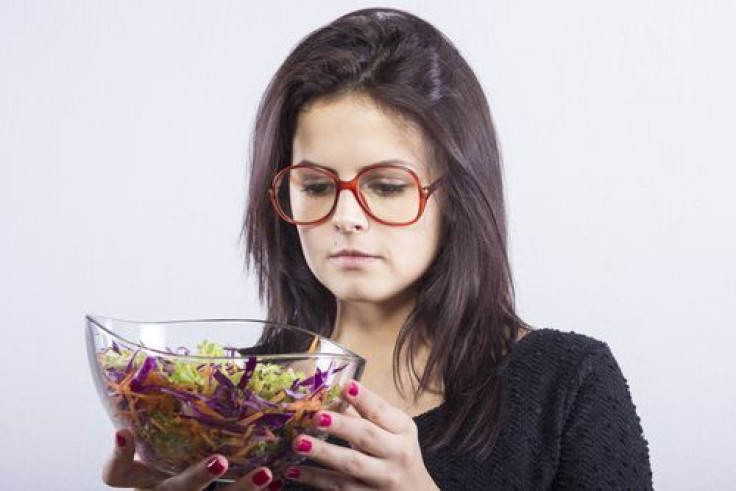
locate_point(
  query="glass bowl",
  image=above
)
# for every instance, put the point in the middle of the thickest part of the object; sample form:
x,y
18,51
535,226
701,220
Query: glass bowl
x,y
240,388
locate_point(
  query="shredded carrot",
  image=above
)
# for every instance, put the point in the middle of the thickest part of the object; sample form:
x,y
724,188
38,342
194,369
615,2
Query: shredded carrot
x,y
206,409
157,424
303,405
156,378
278,397
243,451
206,438
298,416
251,418
313,346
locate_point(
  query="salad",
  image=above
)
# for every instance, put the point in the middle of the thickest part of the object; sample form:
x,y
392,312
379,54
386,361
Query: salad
x,y
183,410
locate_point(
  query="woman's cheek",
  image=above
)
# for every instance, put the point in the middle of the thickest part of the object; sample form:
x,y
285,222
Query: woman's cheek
x,y
311,252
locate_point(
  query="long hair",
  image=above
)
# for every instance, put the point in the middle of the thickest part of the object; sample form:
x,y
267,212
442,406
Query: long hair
x,y
465,306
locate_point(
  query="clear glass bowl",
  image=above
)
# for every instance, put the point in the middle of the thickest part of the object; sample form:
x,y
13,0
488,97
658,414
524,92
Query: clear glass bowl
x,y
240,388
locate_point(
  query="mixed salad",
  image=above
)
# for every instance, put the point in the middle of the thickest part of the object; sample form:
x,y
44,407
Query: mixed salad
x,y
183,411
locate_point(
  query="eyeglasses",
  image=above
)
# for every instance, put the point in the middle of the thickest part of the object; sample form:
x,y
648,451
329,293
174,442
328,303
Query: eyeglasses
x,y
389,193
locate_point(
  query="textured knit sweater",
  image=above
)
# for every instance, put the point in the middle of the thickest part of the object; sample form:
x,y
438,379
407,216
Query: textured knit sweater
x,y
571,424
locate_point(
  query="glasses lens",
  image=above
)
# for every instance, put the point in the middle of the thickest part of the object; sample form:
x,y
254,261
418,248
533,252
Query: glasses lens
x,y
305,194
392,194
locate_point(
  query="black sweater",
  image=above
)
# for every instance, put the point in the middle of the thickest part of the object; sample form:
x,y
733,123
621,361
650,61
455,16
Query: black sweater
x,y
571,424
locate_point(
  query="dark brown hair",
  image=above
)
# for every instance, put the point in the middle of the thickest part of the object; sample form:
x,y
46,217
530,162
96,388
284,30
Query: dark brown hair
x,y
465,306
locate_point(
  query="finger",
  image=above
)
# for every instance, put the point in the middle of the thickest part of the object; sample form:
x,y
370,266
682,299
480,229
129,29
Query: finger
x,y
359,432
375,409
256,479
276,485
351,411
197,476
344,460
322,478
121,471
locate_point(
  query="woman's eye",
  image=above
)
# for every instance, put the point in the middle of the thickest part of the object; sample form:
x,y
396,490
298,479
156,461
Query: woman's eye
x,y
317,188
387,189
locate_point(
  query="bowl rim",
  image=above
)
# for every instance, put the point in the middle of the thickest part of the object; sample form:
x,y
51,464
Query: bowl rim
x,y
349,355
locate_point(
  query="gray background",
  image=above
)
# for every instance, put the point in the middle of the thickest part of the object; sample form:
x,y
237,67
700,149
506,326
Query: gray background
x,y
123,141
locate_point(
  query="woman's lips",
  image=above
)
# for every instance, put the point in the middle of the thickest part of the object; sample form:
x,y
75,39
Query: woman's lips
x,y
352,260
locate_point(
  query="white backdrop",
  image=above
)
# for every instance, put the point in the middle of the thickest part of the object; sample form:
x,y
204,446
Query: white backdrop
x,y
123,142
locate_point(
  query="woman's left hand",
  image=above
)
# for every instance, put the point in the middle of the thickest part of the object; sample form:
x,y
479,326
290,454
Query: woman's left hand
x,y
385,451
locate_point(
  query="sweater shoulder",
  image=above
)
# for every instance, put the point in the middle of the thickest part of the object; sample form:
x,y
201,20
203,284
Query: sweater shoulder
x,y
570,341
548,350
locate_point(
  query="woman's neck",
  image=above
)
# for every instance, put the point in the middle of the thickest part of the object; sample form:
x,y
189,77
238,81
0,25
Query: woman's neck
x,y
370,324
371,330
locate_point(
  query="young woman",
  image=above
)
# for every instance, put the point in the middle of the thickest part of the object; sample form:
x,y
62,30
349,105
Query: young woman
x,y
376,218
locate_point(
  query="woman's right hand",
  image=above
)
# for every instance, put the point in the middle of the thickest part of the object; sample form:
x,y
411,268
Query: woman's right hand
x,y
121,471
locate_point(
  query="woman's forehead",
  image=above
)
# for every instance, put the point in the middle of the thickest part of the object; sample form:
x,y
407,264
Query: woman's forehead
x,y
349,133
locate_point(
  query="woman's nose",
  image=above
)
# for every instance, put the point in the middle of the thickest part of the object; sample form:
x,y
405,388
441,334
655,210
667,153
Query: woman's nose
x,y
348,214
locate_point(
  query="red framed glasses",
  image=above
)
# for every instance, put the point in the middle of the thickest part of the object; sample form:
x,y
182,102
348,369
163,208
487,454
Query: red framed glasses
x,y
391,194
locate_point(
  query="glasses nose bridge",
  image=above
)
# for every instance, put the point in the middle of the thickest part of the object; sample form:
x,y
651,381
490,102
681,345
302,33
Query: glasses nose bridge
x,y
352,186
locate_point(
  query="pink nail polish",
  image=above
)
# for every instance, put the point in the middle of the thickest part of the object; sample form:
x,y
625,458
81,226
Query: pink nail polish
x,y
260,478
277,485
215,466
353,390
120,439
325,420
293,473
304,446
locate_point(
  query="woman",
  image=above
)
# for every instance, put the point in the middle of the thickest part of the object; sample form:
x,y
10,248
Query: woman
x,y
376,217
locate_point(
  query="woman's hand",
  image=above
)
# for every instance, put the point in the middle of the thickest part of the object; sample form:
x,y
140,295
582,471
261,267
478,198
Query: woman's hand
x,y
385,451
121,471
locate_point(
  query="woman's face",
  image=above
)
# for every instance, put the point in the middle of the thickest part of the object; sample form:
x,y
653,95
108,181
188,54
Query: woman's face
x,y
346,134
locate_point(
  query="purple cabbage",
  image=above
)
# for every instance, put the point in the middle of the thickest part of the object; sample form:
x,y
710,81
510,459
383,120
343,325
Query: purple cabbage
x,y
250,367
145,368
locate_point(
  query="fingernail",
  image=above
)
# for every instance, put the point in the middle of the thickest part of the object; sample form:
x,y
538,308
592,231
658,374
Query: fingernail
x,y
304,446
276,485
293,473
325,420
353,390
260,478
120,440
215,466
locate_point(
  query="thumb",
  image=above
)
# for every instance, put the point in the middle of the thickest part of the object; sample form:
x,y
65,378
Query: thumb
x,y
118,464
197,476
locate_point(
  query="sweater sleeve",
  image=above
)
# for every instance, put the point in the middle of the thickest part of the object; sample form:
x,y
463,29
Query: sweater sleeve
x,y
603,444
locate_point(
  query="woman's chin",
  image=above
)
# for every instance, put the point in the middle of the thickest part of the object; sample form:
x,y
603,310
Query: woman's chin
x,y
369,293
360,297
356,293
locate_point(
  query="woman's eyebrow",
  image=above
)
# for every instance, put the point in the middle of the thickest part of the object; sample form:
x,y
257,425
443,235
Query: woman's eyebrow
x,y
386,161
